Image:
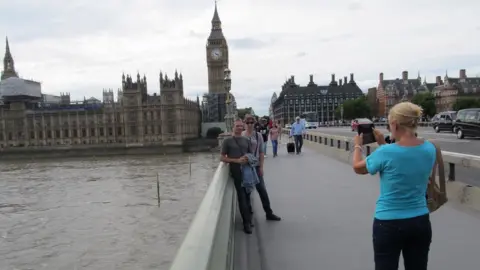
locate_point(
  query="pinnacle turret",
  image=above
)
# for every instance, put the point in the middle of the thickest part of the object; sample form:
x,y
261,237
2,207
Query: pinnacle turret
x,y
8,63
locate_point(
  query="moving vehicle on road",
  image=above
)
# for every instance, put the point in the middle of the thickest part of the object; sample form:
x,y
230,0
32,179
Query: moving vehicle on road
x,y
311,120
467,123
358,121
444,121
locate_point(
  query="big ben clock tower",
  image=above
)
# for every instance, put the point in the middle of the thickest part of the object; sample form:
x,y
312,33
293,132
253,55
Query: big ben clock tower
x,y
217,55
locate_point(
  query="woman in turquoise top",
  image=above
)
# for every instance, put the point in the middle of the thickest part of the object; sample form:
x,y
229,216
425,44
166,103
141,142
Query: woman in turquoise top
x,y
402,222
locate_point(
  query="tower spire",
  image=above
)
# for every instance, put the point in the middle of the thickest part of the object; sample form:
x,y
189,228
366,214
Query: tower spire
x,y
216,18
8,63
216,32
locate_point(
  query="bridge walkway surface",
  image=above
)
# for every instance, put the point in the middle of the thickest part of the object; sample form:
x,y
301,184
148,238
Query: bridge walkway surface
x,y
327,213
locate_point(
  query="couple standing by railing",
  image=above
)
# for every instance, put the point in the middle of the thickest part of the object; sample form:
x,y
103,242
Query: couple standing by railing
x,y
244,151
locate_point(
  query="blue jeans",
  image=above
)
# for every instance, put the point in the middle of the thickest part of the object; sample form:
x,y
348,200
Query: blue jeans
x,y
275,146
264,148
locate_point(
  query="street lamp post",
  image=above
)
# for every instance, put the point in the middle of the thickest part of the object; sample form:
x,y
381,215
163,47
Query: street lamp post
x,y
229,101
341,112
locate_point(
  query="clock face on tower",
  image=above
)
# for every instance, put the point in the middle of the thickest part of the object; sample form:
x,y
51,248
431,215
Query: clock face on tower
x,y
216,54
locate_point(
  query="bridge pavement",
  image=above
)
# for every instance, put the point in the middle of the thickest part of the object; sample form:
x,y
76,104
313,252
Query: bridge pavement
x,y
327,214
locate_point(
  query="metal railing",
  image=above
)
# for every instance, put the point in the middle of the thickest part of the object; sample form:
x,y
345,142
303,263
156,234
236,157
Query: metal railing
x,y
377,124
342,145
209,243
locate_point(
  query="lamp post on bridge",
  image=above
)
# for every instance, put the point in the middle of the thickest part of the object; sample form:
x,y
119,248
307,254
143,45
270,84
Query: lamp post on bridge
x,y
230,114
341,113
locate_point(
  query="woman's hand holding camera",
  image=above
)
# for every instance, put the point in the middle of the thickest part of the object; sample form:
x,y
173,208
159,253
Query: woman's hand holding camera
x,y
358,140
379,136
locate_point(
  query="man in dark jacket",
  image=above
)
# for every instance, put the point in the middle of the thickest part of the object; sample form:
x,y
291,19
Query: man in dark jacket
x,y
263,129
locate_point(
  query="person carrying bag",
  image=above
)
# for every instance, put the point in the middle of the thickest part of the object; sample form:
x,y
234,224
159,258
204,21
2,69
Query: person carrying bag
x,y
408,190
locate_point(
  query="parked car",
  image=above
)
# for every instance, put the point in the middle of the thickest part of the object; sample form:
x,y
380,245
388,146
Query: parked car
x,y
444,121
356,122
467,123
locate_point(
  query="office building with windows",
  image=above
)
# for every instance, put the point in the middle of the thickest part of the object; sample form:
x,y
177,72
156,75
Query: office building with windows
x,y
320,100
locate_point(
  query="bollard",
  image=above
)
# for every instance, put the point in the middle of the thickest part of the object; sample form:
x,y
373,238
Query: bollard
x,y
451,172
158,190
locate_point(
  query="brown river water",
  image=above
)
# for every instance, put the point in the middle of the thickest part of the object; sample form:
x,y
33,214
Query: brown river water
x,y
99,214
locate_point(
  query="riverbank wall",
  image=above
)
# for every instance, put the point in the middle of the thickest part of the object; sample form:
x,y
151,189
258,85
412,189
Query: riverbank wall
x,y
102,150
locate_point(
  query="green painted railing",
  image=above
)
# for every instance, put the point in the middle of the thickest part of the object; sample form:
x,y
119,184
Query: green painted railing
x,y
209,243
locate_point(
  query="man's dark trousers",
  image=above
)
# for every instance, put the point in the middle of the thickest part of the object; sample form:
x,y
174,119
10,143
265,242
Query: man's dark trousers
x,y
242,196
298,142
262,192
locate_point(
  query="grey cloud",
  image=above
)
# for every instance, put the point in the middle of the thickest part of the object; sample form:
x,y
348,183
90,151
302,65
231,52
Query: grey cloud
x,y
354,6
452,62
335,37
301,54
197,35
247,43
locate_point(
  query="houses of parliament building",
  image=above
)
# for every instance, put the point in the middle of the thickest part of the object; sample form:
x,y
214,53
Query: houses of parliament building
x,y
30,119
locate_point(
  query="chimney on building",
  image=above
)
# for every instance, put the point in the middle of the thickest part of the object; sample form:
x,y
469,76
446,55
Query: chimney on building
x,y
292,78
405,75
463,74
351,78
380,77
439,80
311,79
340,82
333,77
345,79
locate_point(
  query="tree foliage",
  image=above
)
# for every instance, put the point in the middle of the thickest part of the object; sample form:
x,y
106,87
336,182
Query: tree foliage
x,y
466,103
427,102
354,108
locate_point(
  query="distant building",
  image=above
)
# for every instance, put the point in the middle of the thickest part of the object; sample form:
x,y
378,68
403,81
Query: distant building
x,y
30,119
214,102
295,100
450,89
446,91
270,108
393,91
214,107
51,99
217,55
372,100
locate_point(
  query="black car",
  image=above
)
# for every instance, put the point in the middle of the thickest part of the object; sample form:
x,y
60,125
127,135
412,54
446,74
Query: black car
x,y
468,123
444,121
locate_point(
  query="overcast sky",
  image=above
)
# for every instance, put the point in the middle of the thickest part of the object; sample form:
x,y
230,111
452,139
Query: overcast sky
x,y
84,46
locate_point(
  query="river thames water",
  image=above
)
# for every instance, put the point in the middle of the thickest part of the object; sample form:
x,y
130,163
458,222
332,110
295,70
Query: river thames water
x,y
98,214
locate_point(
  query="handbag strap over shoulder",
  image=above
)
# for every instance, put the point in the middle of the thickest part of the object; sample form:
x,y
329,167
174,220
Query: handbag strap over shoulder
x,y
437,193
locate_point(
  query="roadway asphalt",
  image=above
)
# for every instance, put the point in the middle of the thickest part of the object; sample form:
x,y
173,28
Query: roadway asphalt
x,y
447,141
327,220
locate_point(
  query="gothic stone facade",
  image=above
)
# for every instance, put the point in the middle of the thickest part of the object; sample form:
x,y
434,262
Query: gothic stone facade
x,y
217,56
137,118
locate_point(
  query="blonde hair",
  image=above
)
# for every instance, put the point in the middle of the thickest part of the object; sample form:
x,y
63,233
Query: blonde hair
x,y
406,114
